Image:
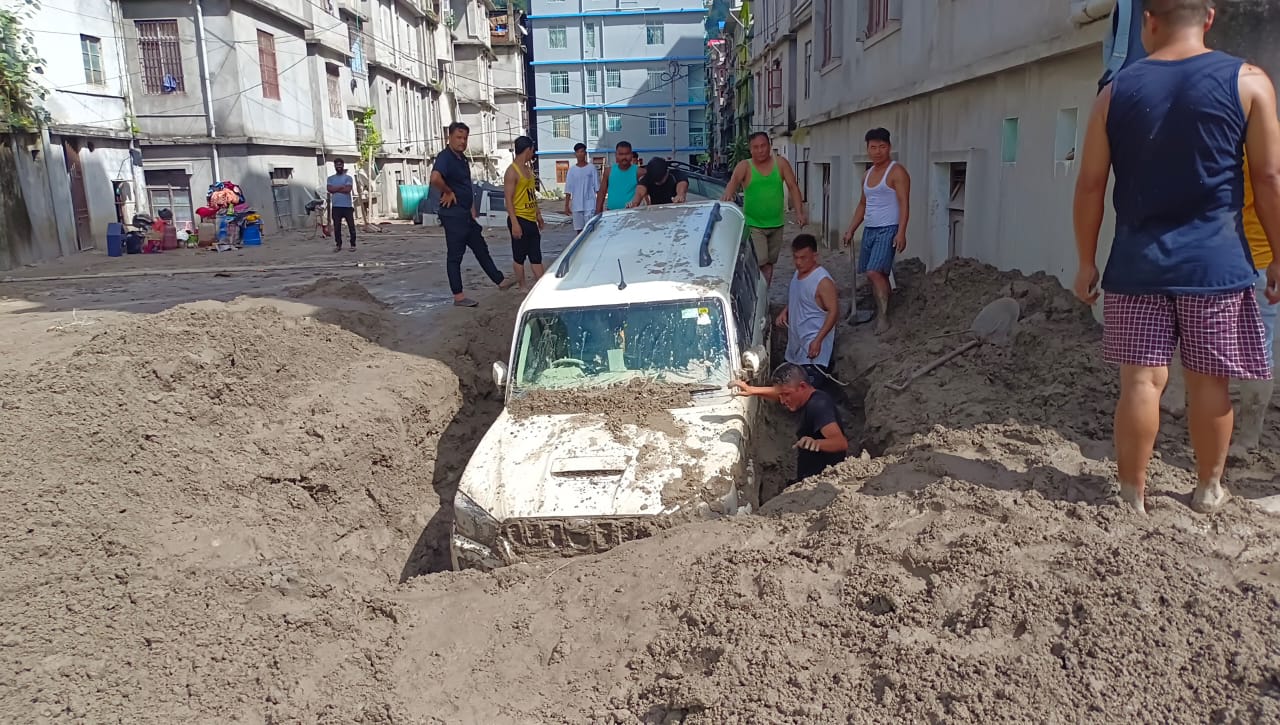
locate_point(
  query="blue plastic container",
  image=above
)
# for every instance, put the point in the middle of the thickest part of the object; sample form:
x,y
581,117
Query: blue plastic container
x,y
252,235
115,239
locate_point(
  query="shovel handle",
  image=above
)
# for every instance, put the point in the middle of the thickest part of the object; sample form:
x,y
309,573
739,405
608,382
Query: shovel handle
x,y
936,364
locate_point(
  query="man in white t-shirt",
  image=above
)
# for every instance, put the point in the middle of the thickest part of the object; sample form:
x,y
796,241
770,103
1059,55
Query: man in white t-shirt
x,y
580,189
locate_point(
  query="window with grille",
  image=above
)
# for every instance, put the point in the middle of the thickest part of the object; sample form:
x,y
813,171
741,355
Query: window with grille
x,y
654,32
879,15
560,127
91,54
613,78
593,81
557,37
775,85
589,36
657,124
267,66
613,122
559,81
334,78
808,66
655,79
830,53
160,57
562,172
593,121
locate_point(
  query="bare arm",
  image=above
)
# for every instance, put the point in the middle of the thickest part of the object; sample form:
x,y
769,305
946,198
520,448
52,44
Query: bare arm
x,y
833,439
902,189
828,300
642,191
735,181
603,191
1091,195
858,215
793,189
682,190
509,181
1262,144
769,393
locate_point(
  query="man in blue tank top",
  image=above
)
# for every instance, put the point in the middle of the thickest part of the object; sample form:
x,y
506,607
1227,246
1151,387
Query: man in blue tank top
x,y
1173,127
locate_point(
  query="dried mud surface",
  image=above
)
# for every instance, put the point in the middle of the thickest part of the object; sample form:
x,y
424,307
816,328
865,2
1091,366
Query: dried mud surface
x,y
216,514
637,402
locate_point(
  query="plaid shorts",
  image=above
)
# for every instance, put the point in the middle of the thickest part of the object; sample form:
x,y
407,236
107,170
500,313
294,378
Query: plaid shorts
x,y
876,252
1218,335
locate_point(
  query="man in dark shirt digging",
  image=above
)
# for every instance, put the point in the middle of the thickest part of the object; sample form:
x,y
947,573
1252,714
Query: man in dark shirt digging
x,y
661,185
821,440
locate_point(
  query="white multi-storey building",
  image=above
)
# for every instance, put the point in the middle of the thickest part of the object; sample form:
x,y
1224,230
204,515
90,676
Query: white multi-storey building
x,y
618,70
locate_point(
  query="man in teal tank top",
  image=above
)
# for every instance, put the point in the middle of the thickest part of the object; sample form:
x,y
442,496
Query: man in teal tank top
x,y
619,183
762,178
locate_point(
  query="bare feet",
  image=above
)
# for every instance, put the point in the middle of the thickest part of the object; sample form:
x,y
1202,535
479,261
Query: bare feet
x,y
507,283
882,324
1209,497
1131,498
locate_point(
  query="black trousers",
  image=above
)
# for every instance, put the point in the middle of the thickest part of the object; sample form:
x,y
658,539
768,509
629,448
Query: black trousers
x,y
460,234
337,214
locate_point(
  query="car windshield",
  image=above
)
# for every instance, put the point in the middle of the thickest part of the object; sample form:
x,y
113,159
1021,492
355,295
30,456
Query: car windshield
x,y
682,343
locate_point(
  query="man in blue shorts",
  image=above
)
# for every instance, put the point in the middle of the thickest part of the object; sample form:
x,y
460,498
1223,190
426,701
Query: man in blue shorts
x,y
886,208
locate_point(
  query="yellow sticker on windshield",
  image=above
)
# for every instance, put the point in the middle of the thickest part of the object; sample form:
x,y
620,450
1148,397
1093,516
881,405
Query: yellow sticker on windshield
x,y
704,316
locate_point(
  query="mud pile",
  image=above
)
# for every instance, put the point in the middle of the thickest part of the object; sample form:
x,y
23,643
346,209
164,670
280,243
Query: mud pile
x,y
200,505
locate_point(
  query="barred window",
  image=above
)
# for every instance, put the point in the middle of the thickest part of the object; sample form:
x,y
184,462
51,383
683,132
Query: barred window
x,y
160,57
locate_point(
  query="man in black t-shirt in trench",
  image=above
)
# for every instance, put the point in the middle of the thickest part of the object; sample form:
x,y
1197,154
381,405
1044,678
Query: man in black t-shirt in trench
x,y
821,439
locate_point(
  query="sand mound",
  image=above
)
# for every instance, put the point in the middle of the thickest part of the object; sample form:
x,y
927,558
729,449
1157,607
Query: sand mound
x,y
212,512
218,492
333,288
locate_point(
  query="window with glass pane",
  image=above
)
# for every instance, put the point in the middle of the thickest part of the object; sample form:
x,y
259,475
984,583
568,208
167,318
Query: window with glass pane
x,y
613,122
613,78
589,37
594,124
657,124
654,32
557,37
560,81
91,53
560,127
655,79
593,81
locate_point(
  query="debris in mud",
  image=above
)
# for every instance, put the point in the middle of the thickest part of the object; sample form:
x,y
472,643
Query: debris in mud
x,y
335,288
638,402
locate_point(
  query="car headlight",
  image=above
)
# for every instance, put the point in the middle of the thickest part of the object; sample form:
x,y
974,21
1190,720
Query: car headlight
x,y
473,521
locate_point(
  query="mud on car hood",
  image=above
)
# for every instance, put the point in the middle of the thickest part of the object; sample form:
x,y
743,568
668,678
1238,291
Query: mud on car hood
x,y
583,465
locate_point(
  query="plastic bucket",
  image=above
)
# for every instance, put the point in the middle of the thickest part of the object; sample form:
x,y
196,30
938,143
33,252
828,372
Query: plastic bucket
x,y
252,235
115,239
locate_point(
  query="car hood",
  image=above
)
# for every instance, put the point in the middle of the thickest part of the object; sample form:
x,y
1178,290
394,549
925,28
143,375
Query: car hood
x,y
587,465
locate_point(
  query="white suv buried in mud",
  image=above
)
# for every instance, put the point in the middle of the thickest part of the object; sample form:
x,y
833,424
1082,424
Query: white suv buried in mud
x,y
619,420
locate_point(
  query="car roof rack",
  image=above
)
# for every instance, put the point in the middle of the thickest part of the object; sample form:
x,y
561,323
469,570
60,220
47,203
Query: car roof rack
x,y
704,250
563,269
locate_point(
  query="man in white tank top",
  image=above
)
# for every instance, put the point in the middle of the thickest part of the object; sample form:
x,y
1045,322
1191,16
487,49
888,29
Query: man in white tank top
x,y
813,307
886,208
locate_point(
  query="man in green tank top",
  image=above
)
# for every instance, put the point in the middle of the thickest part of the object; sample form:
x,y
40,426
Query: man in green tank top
x,y
618,185
762,178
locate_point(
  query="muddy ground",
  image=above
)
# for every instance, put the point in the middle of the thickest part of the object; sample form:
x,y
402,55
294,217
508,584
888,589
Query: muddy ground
x,y
225,505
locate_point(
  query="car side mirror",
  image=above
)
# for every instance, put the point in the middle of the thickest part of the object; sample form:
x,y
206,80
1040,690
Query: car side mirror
x,y
500,375
751,360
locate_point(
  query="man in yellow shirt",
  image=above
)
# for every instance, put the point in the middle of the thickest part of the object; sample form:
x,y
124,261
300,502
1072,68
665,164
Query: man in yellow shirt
x,y
1255,395
524,217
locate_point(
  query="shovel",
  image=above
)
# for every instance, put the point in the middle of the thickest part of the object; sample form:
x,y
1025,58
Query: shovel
x,y
993,325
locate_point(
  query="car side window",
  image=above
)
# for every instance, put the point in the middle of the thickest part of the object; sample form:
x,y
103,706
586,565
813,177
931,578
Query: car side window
x,y
745,292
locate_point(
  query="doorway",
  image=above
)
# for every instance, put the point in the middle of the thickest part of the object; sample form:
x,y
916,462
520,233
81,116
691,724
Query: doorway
x,y
79,195
826,205
957,176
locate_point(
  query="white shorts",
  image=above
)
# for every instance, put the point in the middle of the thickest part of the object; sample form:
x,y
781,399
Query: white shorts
x,y
580,220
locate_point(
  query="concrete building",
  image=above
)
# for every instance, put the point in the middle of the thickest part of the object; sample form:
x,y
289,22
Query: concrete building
x,y
508,34
614,70
90,169
473,83
407,56
987,116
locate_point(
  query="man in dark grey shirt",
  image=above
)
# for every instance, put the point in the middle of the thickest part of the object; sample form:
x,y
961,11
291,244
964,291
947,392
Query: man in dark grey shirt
x,y
451,176
821,441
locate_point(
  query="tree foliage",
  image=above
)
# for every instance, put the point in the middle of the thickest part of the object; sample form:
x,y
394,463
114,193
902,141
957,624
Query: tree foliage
x,y
371,139
20,94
